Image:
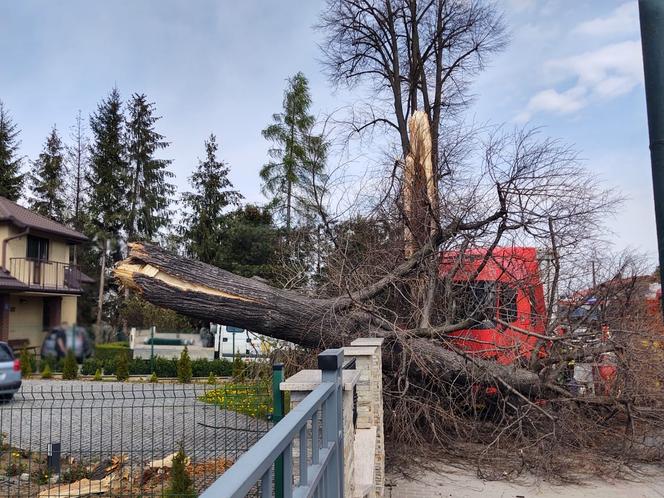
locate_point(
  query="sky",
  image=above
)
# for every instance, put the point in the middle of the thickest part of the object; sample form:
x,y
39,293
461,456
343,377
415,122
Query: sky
x,y
573,68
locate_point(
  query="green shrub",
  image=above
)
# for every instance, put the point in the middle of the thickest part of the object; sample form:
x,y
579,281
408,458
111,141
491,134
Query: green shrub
x,y
46,372
70,367
26,363
184,367
56,364
153,378
122,368
90,366
239,368
112,350
203,367
181,485
212,380
98,376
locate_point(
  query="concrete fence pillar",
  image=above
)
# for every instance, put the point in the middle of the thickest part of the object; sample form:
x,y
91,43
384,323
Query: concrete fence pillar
x,y
368,355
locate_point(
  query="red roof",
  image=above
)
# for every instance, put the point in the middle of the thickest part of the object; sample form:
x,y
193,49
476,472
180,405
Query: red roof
x,y
24,218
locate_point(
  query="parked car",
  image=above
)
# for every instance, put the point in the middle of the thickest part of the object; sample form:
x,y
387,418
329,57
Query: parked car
x,y
10,372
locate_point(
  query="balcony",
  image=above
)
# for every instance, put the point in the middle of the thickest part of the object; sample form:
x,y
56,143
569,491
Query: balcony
x,y
52,276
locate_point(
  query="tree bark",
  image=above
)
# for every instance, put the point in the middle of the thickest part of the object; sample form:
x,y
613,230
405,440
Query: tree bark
x,y
208,293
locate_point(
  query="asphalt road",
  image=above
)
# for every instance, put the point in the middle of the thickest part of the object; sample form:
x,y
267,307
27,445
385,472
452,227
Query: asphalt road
x,y
96,420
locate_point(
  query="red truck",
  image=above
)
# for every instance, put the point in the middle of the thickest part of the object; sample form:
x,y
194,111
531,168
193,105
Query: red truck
x,y
494,292
503,295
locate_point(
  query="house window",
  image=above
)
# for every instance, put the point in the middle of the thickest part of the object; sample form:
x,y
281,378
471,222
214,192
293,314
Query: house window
x,y
37,248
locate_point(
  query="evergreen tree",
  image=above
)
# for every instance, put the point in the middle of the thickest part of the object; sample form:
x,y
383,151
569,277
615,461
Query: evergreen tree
x,y
47,180
70,367
78,162
108,174
212,193
248,243
11,179
122,367
149,190
184,367
292,140
181,485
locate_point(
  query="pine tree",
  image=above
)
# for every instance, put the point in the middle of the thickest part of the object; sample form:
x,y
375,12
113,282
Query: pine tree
x,y
212,193
291,135
78,162
149,190
47,180
108,174
11,179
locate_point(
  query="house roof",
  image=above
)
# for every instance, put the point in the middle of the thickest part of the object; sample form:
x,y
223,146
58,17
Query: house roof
x,y
7,282
24,218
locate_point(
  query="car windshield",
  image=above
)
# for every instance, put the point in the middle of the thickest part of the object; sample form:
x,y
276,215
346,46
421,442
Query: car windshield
x,y
473,300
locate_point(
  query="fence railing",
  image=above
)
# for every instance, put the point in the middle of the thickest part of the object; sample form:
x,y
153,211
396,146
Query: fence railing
x,y
72,438
317,424
46,275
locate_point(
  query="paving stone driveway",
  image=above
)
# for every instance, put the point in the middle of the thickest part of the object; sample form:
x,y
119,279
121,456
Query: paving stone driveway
x,y
95,420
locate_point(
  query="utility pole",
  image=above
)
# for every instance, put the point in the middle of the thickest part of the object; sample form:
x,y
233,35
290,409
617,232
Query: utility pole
x,y
100,297
651,13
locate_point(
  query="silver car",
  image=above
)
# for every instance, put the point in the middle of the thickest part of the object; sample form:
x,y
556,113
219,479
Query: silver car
x,y
10,372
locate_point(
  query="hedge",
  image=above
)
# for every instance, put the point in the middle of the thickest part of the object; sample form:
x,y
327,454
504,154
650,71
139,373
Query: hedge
x,y
110,350
163,367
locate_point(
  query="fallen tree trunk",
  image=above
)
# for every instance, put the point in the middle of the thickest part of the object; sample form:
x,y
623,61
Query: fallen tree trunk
x,y
205,292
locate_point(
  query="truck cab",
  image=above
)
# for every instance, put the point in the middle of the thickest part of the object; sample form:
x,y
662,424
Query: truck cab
x,y
501,296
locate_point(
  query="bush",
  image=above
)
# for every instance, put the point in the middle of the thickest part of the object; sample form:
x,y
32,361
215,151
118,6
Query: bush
x,y
112,350
90,366
202,368
163,367
153,378
55,364
212,380
46,372
70,367
181,485
26,363
98,376
239,368
122,368
184,367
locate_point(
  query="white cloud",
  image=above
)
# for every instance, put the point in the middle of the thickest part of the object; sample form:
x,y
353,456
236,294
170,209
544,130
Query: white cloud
x,y
602,74
623,20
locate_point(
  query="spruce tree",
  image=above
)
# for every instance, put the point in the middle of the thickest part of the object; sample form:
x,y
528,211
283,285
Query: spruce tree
x,y
11,179
212,192
149,190
47,180
78,162
293,145
108,174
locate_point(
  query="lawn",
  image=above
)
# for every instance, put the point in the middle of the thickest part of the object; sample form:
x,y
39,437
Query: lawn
x,y
252,399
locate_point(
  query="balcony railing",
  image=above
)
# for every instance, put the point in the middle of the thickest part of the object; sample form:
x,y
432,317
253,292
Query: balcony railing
x,y
46,275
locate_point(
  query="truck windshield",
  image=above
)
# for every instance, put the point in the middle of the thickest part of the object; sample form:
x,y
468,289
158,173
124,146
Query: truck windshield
x,y
473,300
